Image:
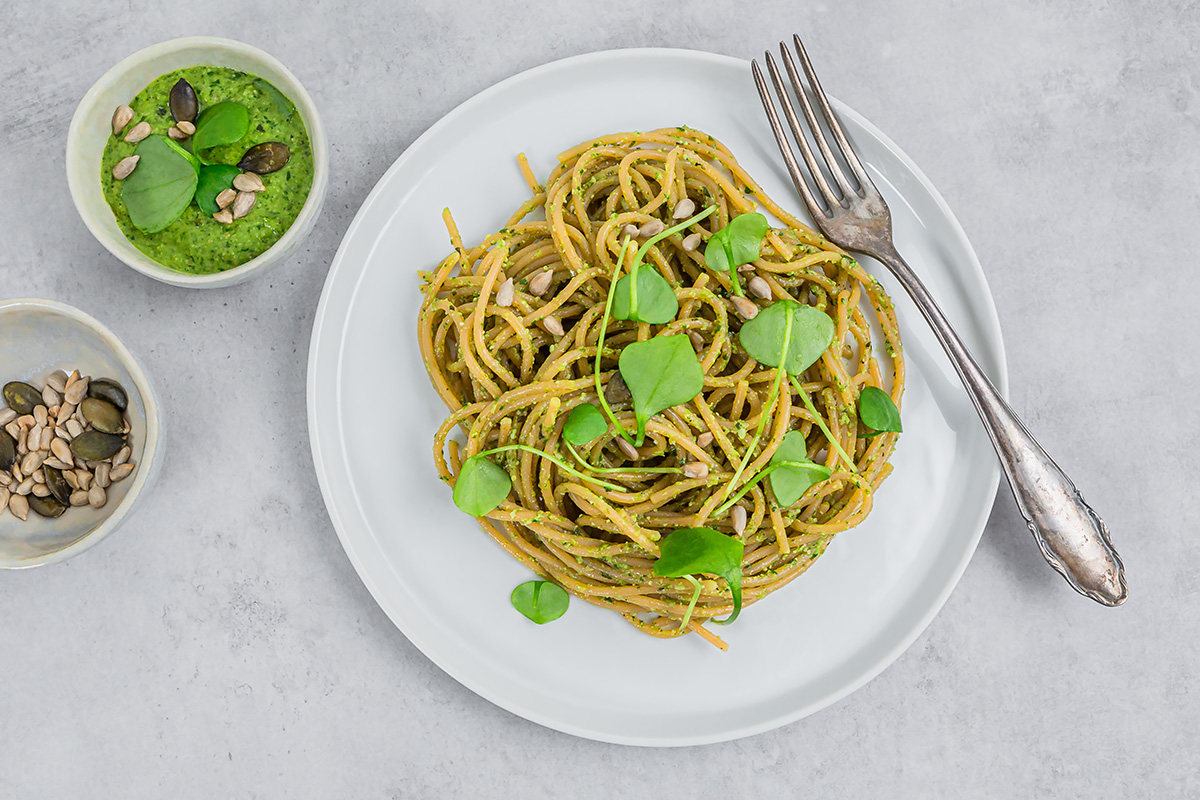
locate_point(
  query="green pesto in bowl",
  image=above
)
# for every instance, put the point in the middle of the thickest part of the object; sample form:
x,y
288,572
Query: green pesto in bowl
x,y
196,243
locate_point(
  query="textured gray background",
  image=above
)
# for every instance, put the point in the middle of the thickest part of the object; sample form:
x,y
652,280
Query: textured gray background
x,y
222,645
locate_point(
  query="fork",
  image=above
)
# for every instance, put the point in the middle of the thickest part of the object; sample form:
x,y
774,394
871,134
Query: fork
x,y
1073,539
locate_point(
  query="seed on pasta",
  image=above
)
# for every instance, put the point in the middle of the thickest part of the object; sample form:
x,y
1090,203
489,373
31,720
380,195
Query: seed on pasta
x,y
746,309
705,439
684,208
629,450
539,283
652,228
630,230
553,324
691,241
506,293
760,288
737,515
695,469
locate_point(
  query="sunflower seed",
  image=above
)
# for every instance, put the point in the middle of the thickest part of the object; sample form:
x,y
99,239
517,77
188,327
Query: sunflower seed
x,y
24,487
18,476
5,479
553,324
76,391
759,288
31,462
23,441
54,462
47,438
186,127
745,308
224,216
695,469
41,415
39,476
505,294
737,515
684,208
125,167
122,456
539,283
652,228
120,118
57,381
248,182
74,427
697,340
7,415
84,477
13,429
79,498
97,497
102,478
19,506
243,203
629,450
40,490
138,132
225,198
26,421
64,413
62,451
70,380
705,439
52,411
122,472
691,241
5,495
71,479
630,230
176,134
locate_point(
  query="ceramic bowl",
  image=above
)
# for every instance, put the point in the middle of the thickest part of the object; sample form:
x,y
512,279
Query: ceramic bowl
x,y
91,128
41,336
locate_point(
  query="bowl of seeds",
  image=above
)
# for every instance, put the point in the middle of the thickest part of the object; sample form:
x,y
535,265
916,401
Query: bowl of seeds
x,y
79,432
199,162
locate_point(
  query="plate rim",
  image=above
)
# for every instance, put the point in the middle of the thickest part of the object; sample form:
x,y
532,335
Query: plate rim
x,y
989,322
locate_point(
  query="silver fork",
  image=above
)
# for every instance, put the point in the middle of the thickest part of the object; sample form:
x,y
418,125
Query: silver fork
x,y
1073,539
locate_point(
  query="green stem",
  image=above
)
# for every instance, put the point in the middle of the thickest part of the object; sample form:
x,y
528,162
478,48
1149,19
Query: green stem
x,y
608,304
692,605
820,422
616,470
750,484
733,278
641,254
780,372
554,460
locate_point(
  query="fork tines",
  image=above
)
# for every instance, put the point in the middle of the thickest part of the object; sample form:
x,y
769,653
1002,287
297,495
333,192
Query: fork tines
x,y
830,196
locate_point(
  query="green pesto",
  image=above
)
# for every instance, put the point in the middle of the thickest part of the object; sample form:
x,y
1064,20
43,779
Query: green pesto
x,y
196,243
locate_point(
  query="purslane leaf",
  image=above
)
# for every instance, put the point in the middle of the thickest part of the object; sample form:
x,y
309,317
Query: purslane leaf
x,y
877,411
584,424
222,123
691,551
656,303
790,481
660,373
481,486
214,179
812,332
161,187
540,601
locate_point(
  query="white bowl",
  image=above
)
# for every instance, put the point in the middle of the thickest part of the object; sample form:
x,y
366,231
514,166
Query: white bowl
x,y
41,336
91,128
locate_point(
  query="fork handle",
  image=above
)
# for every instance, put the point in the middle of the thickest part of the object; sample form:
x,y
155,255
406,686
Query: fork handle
x,y
1073,538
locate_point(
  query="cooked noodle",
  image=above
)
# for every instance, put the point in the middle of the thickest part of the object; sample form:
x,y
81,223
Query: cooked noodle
x,y
508,380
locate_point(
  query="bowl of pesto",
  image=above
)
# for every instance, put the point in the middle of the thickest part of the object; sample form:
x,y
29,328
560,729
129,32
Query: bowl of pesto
x,y
199,162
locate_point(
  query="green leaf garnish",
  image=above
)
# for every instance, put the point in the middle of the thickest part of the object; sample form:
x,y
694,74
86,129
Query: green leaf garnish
x,y
812,333
644,295
877,411
540,601
656,301
739,242
481,486
214,179
161,187
795,472
585,423
691,551
660,373
223,123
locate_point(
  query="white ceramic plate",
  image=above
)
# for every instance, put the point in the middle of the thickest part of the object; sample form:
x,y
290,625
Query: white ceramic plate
x,y
445,584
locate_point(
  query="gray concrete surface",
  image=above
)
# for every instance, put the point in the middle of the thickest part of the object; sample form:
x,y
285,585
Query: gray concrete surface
x,y
221,645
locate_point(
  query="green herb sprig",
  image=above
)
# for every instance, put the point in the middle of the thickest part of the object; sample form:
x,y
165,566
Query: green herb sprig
x,y
482,485
686,552
739,242
644,295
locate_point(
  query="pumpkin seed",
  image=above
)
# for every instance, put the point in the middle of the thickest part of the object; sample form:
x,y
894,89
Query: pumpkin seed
x,y
21,397
183,102
265,158
8,450
96,445
110,391
46,506
57,485
103,415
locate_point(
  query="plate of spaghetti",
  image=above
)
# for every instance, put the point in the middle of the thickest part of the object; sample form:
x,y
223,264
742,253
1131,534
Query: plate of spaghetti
x,y
615,437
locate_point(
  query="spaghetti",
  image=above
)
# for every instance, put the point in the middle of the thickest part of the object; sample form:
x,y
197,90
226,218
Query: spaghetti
x,y
511,373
